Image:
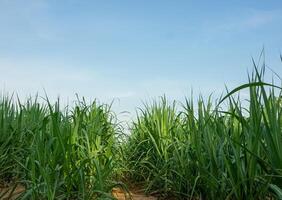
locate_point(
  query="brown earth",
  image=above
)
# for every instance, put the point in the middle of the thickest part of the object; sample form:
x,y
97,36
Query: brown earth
x,y
11,193
119,194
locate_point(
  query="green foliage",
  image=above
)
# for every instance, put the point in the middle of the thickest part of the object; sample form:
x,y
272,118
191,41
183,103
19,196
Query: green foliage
x,y
228,150
210,152
58,154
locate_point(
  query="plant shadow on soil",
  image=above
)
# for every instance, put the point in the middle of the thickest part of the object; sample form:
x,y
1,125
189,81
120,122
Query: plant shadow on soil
x,y
14,192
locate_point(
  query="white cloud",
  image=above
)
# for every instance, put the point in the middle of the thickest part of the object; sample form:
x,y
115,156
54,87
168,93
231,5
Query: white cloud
x,y
257,19
30,77
261,18
250,21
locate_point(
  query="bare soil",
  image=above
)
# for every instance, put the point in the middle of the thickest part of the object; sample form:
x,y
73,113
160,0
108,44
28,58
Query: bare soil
x,y
11,192
134,195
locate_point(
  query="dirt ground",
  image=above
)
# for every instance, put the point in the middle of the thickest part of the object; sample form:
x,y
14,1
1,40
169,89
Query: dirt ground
x,y
11,193
135,195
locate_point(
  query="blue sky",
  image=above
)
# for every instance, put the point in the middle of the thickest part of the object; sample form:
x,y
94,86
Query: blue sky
x,y
134,50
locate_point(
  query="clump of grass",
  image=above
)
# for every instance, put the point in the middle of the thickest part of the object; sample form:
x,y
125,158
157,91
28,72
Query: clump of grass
x,y
150,144
211,152
58,153
17,124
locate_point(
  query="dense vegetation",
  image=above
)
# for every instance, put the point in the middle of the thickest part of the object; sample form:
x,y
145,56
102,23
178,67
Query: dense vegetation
x,y
211,153
225,149
58,154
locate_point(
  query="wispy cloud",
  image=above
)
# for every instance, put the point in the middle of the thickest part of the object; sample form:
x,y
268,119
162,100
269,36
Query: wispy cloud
x,y
255,19
245,22
261,18
31,17
58,79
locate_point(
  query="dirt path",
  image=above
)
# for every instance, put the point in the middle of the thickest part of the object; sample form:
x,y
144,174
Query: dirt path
x,y
120,195
11,193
